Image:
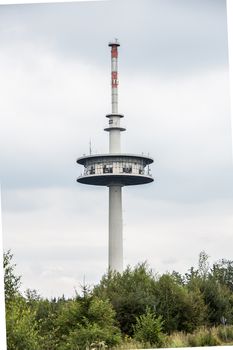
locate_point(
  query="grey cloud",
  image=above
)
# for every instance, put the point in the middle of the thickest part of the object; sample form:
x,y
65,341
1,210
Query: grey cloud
x,y
169,37
69,253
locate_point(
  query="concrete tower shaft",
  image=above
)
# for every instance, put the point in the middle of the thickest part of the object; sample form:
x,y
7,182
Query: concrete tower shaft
x,y
115,249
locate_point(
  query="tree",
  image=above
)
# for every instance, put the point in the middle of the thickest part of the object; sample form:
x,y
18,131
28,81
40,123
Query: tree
x,y
223,272
22,330
46,312
84,321
203,265
12,282
214,285
129,293
219,301
181,310
202,272
149,329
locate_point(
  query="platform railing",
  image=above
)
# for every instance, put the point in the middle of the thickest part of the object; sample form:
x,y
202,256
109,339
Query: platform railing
x,y
110,170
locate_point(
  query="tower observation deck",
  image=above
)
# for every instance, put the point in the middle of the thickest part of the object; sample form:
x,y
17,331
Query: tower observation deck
x,y
115,170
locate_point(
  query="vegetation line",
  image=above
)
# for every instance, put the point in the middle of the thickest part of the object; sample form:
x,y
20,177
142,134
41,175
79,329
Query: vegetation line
x,y
134,310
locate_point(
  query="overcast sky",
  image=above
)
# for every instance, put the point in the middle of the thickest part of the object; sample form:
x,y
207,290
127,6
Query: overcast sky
x,y
55,93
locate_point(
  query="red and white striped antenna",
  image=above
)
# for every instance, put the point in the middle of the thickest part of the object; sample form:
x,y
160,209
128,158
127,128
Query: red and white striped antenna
x,y
114,61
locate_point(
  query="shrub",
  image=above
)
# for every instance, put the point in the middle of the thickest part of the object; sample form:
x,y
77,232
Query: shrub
x,y
87,322
129,343
90,336
225,333
177,340
204,337
148,329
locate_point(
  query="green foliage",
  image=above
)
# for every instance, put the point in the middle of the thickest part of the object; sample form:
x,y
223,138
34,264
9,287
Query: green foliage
x,y
129,293
84,321
11,281
218,299
204,337
225,333
221,335
180,309
179,279
148,329
129,343
203,265
101,311
22,330
90,335
223,272
46,313
217,296
169,310
177,340
32,296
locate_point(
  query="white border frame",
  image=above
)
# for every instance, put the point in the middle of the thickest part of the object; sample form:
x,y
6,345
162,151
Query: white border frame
x,y
230,55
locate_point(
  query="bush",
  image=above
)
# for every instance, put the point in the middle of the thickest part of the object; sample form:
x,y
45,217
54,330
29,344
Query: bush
x,y
90,336
177,340
129,293
87,322
148,329
225,333
129,343
221,335
204,337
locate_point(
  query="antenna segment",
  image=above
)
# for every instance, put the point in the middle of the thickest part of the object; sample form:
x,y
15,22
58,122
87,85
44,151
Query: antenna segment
x,y
114,128
114,64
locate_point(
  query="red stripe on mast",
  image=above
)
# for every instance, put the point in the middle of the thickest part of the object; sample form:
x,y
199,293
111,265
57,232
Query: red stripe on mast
x,y
114,79
114,51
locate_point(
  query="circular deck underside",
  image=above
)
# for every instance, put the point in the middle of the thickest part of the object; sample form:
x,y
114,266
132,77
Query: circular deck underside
x,y
108,179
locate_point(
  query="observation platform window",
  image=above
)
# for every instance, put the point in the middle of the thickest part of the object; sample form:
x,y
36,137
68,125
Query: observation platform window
x,y
92,170
127,170
107,169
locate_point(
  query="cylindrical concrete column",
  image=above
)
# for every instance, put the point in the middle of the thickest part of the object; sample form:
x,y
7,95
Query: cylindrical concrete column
x,y
115,251
114,141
